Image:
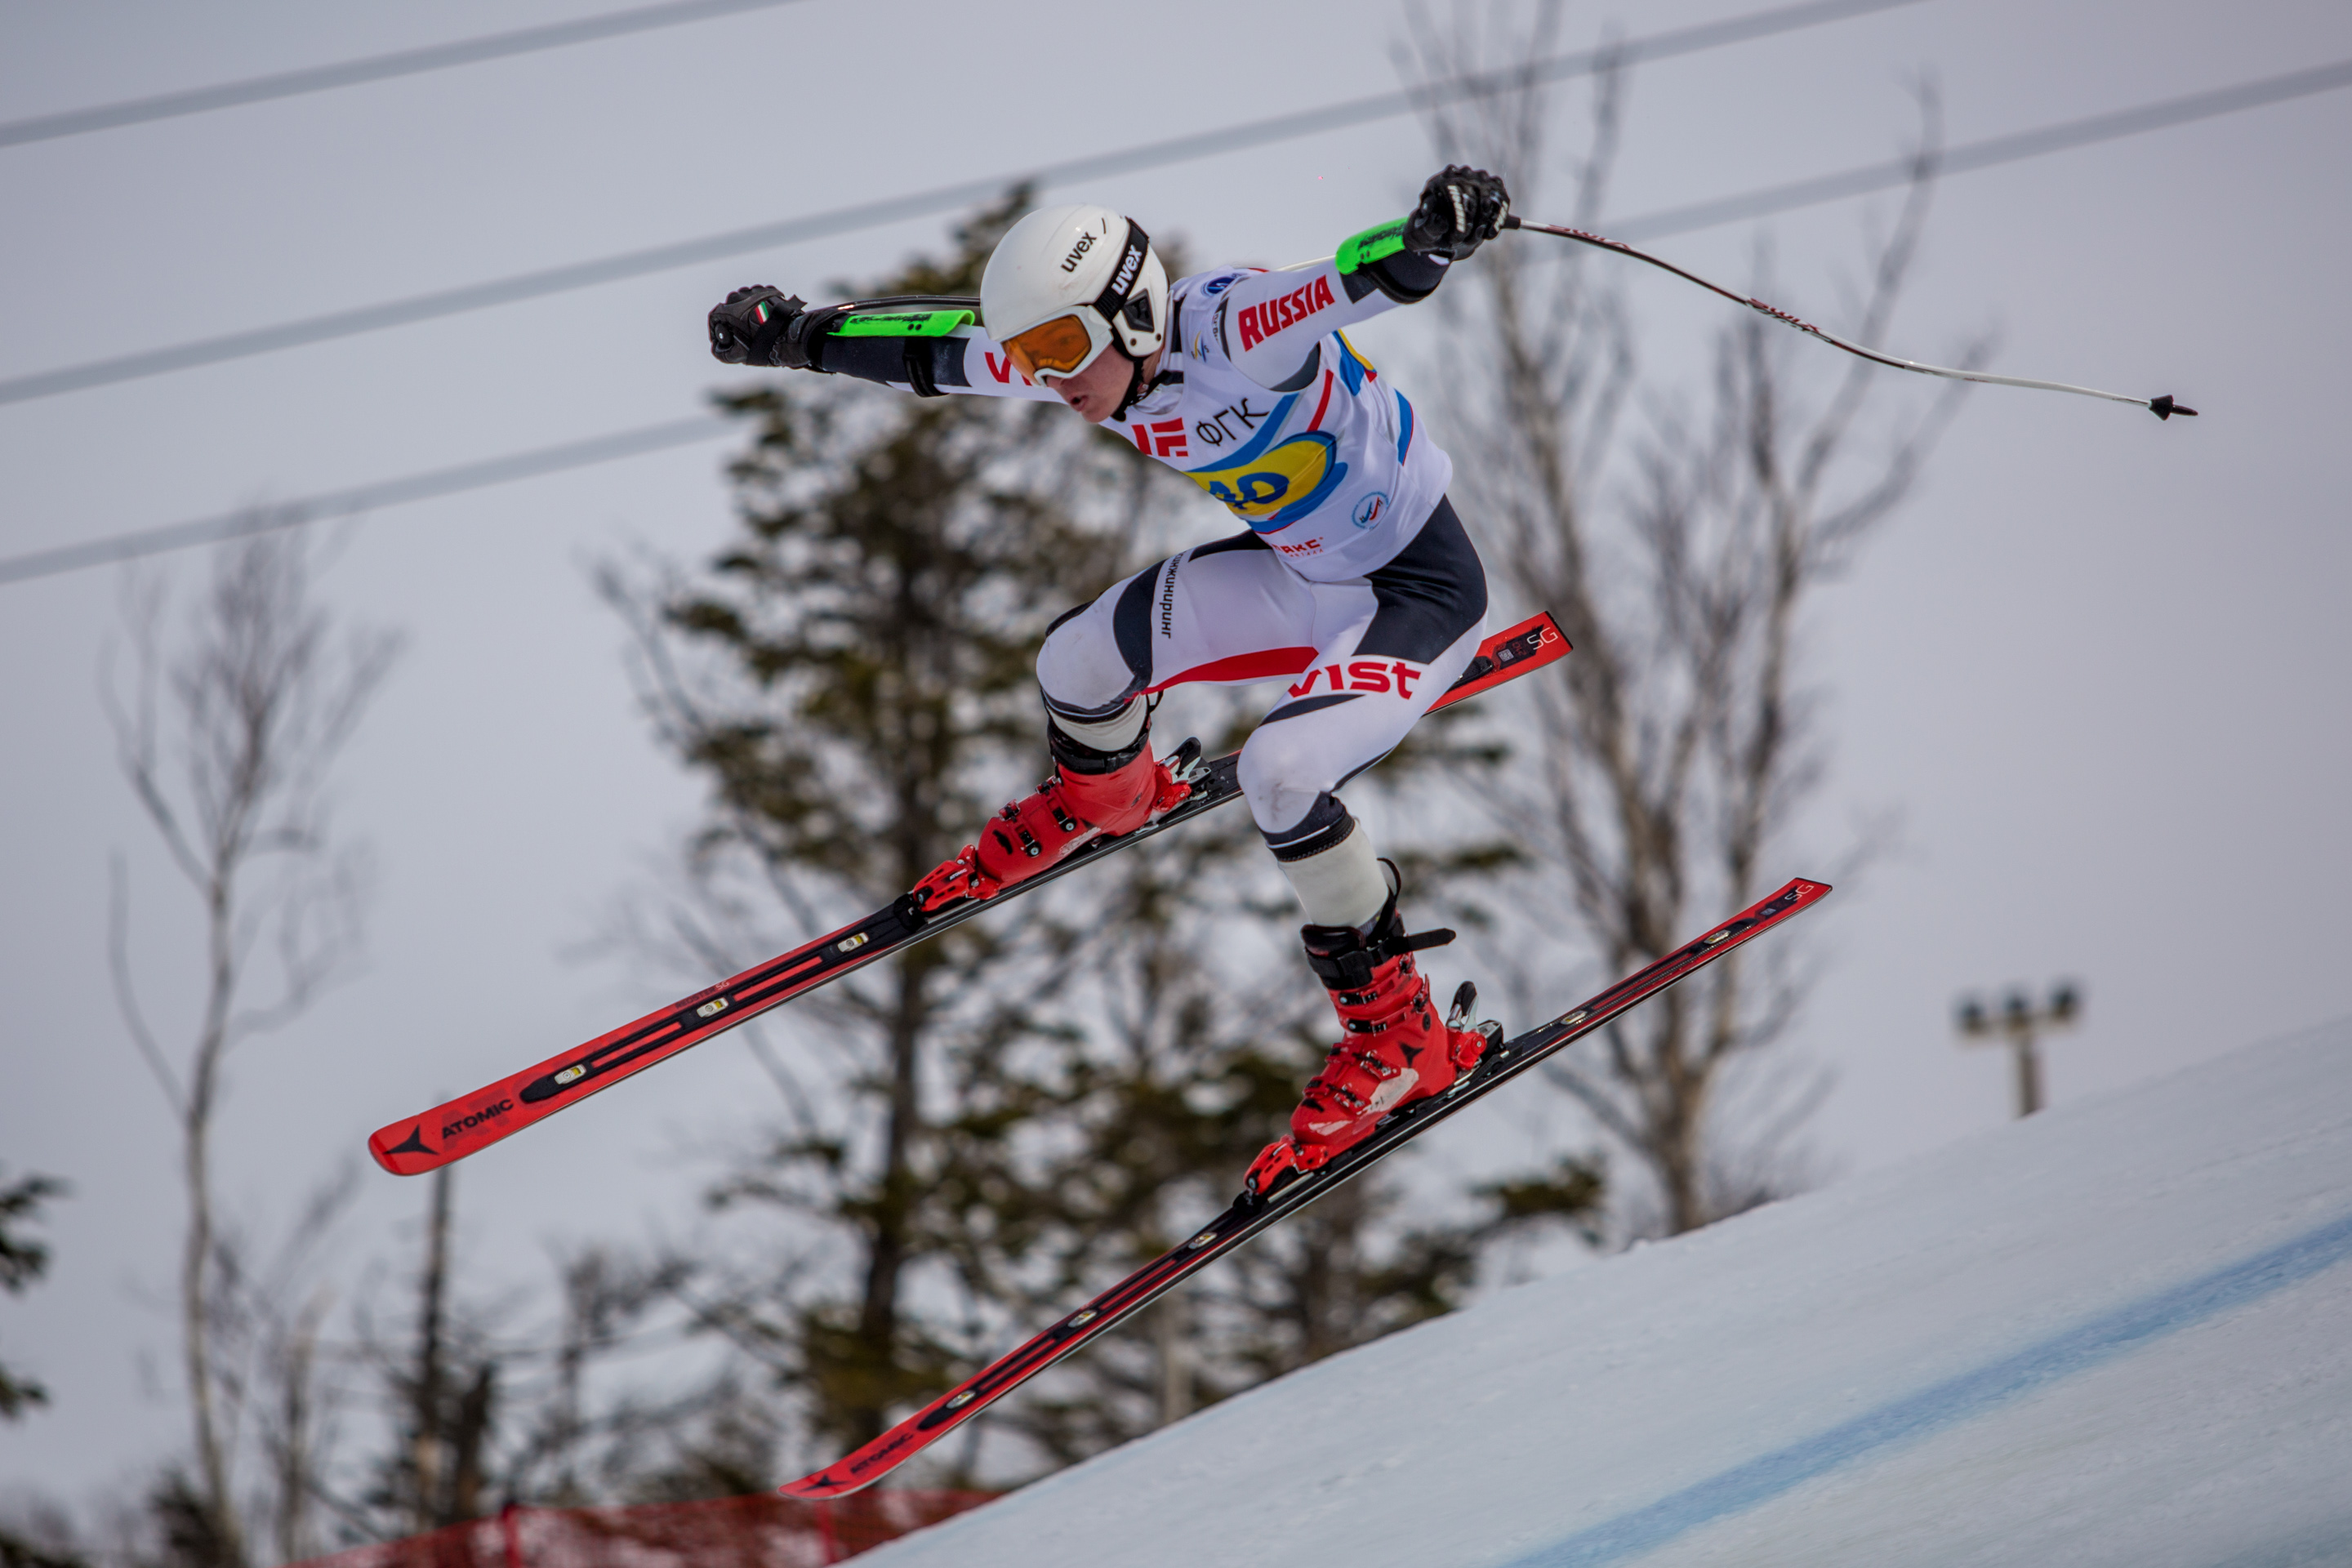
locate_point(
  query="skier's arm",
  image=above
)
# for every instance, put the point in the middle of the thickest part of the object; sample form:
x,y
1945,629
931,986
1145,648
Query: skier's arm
x,y
1269,323
925,344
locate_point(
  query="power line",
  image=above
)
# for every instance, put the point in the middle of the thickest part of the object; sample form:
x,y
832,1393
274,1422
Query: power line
x,y
867,215
1967,158
374,67
366,498
1991,151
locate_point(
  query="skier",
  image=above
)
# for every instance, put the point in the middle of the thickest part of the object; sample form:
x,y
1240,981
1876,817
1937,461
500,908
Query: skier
x,y
1353,577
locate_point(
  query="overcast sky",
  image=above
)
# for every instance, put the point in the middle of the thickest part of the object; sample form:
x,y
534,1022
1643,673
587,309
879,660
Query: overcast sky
x,y
2097,665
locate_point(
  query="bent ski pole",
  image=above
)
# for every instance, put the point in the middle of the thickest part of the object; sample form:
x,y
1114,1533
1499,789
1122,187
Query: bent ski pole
x,y
2163,407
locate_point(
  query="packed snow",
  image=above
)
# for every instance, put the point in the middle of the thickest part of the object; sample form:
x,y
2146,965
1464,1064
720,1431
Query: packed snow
x,y
2120,1331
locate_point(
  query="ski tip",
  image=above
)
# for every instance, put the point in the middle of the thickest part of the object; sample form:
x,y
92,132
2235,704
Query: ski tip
x,y
401,1149
1797,893
821,1486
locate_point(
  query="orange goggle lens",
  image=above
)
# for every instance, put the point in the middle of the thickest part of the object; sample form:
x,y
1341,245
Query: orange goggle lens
x,y
1058,347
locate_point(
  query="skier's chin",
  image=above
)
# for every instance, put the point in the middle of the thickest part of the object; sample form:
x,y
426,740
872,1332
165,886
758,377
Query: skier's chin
x,y
1095,392
1089,403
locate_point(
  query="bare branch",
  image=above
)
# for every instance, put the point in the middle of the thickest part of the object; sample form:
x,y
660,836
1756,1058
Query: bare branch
x,y
258,707
118,955
143,601
1660,772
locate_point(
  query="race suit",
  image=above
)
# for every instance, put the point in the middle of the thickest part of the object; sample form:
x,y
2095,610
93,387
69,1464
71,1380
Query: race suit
x,y
1353,581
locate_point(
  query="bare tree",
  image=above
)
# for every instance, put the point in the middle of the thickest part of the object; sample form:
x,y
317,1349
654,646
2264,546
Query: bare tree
x,y
485,1403
227,742
1673,754
446,1390
295,1435
268,1324
689,1437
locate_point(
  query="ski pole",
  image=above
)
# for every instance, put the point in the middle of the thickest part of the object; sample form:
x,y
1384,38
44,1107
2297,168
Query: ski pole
x,y
2163,407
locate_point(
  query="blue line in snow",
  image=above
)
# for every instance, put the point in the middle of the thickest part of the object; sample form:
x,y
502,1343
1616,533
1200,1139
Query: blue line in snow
x,y
1950,1401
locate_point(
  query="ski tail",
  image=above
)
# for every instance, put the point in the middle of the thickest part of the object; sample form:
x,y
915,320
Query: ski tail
x,y
416,1145
1249,1214
461,1127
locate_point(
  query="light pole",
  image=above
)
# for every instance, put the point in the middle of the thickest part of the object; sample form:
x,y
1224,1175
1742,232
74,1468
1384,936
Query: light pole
x,y
2020,1023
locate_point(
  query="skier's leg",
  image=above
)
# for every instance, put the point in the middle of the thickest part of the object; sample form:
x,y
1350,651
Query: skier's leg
x,y
1368,657
1403,636
1419,625
1100,665
1222,614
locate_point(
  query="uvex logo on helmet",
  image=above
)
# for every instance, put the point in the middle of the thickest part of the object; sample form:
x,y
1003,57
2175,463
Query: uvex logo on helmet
x,y
1070,262
1130,265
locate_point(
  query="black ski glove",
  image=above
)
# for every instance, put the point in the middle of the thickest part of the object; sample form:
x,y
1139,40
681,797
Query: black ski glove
x,y
1461,209
765,326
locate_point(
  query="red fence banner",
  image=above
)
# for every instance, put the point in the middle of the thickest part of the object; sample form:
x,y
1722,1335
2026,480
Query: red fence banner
x,y
764,1530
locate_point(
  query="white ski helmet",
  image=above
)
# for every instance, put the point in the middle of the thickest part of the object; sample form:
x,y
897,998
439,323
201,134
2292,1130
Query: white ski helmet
x,y
1065,283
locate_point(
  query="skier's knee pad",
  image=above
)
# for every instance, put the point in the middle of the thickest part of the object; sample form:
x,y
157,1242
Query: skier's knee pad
x,y
1284,769
1091,697
1081,672
1098,656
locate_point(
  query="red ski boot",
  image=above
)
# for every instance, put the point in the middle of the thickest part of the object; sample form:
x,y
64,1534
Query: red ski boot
x,y
1069,810
1396,1050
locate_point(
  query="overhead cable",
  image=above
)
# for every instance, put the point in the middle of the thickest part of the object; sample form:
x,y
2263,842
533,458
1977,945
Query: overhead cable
x,y
263,518
1678,220
374,67
921,204
1991,151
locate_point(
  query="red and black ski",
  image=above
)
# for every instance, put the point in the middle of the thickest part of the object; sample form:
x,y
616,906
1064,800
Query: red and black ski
x,y
419,1143
1250,1213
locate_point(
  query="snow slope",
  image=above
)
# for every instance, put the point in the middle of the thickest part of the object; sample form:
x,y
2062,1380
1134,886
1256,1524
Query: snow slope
x,y
2118,1332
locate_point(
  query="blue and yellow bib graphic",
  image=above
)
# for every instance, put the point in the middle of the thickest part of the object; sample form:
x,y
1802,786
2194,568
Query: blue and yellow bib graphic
x,y
1271,484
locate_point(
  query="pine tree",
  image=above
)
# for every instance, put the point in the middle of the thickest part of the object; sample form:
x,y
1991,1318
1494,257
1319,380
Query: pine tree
x,y
865,697
23,1260
1022,1108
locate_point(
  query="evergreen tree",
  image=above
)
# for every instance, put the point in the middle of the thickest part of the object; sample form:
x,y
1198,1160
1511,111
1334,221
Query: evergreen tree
x,y
22,1261
875,633
1027,1105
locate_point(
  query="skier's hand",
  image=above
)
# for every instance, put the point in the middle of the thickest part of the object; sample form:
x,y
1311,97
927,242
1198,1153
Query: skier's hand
x,y
1461,209
753,325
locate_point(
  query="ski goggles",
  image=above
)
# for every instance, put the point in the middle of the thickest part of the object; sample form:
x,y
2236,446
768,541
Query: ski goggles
x,y
1063,346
